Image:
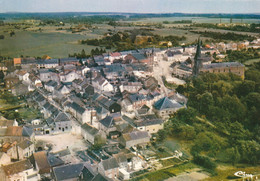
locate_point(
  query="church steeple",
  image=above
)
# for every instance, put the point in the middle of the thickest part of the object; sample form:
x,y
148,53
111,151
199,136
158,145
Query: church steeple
x,y
197,60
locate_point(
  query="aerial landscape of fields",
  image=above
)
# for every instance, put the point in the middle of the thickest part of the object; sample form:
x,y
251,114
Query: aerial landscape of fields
x,y
33,38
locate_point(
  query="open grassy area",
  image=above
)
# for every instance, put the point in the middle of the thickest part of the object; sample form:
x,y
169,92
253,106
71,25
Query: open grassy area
x,y
56,45
250,62
226,172
29,113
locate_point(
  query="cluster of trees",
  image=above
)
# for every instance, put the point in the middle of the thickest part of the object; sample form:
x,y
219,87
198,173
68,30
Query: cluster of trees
x,y
178,22
110,40
251,28
9,98
222,120
126,40
243,55
224,36
93,52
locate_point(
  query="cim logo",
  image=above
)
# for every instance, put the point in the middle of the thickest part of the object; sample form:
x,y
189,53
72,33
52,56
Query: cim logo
x,y
243,175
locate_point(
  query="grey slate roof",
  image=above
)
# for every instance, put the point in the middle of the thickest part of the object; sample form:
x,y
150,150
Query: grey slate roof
x,y
91,130
62,117
27,131
87,174
77,107
54,160
48,61
148,120
139,56
108,121
223,64
46,105
101,110
110,163
68,171
136,97
51,83
100,177
166,103
49,121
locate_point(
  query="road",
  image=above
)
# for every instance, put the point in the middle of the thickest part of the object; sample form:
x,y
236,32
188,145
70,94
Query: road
x,y
162,69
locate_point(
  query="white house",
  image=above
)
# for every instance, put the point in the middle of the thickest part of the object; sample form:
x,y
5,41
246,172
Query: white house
x,y
23,75
102,84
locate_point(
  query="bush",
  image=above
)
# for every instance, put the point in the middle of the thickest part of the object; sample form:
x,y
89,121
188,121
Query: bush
x,y
204,162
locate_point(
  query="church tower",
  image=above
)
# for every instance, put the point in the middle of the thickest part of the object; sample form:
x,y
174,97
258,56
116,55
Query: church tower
x,y
197,60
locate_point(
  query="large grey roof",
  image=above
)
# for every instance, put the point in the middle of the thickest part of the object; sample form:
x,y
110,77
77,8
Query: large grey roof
x,y
110,164
27,131
223,64
87,174
139,56
148,122
54,160
91,130
136,97
107,121
166,103
62,117
77,107
48,61
68,171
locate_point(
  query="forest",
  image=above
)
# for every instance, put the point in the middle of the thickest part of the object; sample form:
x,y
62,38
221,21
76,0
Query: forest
x,y
222,119
250,28
217,36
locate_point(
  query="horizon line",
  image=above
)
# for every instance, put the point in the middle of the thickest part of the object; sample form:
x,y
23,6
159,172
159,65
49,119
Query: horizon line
x,y
256,13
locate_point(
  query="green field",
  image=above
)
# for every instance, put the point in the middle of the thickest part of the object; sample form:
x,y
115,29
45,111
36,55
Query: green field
x,y
56,45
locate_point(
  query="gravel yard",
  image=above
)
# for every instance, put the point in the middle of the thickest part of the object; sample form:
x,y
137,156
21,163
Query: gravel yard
x,y
62,141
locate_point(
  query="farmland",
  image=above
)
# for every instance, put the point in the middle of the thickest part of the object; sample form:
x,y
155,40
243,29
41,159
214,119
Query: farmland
x,y
34,39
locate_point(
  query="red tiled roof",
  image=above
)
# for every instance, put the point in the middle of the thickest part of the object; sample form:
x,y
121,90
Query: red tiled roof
x,y
115,54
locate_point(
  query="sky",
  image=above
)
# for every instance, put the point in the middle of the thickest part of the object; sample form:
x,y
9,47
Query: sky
x,y
132,6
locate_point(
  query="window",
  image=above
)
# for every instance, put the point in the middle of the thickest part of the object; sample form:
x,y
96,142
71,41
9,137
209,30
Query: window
x,y
59,128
